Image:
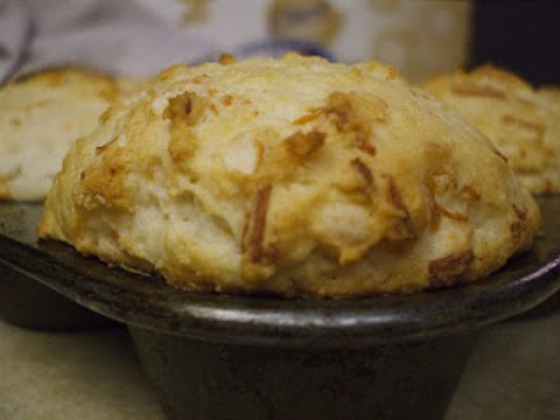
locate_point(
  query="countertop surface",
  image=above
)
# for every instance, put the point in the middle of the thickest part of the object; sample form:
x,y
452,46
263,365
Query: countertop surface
x,y
513,374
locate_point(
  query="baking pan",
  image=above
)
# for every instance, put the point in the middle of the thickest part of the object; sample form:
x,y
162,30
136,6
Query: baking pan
x,y
24,301
27,303
550,205
237,357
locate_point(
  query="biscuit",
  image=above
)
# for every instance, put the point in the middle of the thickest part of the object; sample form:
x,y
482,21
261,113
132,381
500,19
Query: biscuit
x,y
291,176
551,96
40,117
523,125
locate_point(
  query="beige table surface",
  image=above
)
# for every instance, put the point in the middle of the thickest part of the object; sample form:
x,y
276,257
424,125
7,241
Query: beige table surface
x,y
513,374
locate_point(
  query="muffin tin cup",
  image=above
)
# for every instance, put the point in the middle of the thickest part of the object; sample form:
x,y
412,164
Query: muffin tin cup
x,y
25,302
550,206
29,304
546,308
222,381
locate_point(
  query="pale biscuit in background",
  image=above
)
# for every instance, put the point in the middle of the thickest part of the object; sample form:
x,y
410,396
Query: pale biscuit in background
x,y
41,115
551,95
293,176
524,124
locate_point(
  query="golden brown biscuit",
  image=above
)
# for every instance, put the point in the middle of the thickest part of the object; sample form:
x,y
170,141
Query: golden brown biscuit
x,y
524,127
551,95
41,115
293,176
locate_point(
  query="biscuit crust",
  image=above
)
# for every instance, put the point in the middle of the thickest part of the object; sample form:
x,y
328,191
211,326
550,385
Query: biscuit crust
x,y
291,176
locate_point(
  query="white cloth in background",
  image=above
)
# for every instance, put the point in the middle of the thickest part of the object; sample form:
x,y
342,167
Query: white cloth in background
x,y
14,30
117,36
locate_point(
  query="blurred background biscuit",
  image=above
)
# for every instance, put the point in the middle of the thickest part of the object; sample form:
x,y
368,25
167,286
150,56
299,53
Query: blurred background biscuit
x,y
523,124
41,115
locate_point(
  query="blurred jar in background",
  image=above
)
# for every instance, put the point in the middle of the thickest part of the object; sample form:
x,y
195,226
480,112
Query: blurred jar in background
x,y
418,37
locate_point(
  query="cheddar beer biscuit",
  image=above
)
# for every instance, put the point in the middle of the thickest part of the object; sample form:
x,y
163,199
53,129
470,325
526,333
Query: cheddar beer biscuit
x,y
291,176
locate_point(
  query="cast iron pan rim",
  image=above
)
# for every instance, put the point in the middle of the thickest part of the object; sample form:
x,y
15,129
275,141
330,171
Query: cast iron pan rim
x,y
273,321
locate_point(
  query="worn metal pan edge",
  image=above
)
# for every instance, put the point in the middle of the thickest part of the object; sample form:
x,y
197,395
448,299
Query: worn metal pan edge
x,y
147,302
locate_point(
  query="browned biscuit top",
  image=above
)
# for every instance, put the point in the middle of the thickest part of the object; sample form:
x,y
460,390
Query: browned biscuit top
x,y
291,176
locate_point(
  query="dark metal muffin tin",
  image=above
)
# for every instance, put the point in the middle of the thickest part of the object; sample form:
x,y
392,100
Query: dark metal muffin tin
x,y
29,304
239,357
26,302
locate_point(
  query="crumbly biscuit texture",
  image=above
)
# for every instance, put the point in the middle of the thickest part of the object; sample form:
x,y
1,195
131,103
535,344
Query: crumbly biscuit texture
x,y
40,117
291,176
523,123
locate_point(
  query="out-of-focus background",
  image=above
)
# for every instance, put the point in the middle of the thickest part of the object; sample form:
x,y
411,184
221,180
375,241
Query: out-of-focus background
x,y
418,37
523,36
